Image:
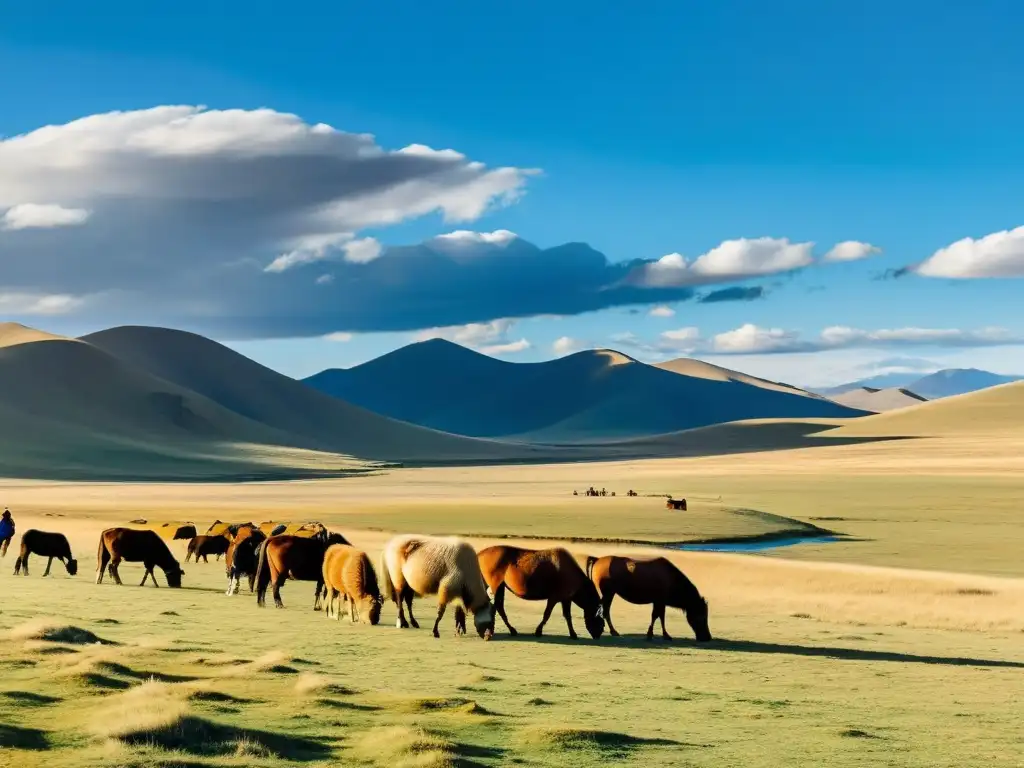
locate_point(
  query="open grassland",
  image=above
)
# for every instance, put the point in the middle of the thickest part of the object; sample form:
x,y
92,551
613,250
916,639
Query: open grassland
x,y
813,664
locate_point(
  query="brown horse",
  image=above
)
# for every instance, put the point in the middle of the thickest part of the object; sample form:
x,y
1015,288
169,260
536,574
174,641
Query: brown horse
x,y
220,528
186,531
671,503
241,558
645,582
287,556
134,546
205,544
348,574
51,545
542,574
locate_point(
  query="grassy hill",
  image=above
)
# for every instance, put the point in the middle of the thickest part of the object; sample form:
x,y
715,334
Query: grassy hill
x,y
597,395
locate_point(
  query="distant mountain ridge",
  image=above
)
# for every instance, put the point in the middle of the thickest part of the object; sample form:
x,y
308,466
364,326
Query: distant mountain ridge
x,y
944,383
590,395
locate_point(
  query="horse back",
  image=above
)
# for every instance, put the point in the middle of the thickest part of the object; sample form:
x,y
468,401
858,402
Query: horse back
x,y
136,545
45,543
299,556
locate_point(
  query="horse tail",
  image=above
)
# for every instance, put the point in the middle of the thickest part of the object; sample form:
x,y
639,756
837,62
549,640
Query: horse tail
x,y
591,561
102,557
388,591
262,572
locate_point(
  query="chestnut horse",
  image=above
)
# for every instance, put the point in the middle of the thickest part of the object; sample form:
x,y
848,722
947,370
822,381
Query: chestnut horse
x,y
348,575
542,574
433,565
207,544
288,556
643,582
133,545
44,544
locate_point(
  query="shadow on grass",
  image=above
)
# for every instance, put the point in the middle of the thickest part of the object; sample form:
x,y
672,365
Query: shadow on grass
x,y
753,646
30,699
16,737
199,736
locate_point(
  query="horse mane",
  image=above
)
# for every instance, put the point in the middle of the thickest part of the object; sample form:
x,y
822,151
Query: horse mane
x,y
334,538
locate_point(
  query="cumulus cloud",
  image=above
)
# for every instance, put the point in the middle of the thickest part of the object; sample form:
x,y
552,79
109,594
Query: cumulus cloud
x,y
736,293
507,349
851,250
38,304
339,336
731,260
490,338
662,312
565,345
36,216
1000,254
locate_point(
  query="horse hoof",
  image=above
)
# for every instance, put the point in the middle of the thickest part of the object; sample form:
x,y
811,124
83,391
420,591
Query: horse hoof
x,y
666,638
574,636
613,633
436,633
650,638
538,632
512,632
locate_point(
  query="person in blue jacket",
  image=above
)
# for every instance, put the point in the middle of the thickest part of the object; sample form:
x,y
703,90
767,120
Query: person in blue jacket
x,y
6,531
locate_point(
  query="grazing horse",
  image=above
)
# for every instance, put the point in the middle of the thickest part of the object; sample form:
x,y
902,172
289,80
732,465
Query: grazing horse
x,y
348,574
186,531
287,556
51,545
204,544
241,558
134,546
431,565
220,528
671,503
644,582
542,574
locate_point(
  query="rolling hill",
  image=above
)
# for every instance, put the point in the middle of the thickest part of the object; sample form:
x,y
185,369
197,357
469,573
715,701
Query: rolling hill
x,y
688,366
592,396
996,410
879,400
944,383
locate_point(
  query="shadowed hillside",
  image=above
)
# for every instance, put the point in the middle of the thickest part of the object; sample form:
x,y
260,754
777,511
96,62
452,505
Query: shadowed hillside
x,y
879,400
587,396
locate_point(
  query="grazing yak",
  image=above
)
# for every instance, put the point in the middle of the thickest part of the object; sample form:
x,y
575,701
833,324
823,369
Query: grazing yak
x,y
44,544
135,546
432,565
654,582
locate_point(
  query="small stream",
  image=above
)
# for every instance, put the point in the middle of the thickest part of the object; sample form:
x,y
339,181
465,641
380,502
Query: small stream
x,y
755,545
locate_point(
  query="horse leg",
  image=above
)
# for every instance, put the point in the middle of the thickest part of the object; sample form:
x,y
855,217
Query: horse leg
x,y
278,582
547,615
145,576
23,562
408,602
442,604
499,606
316,596
606,602
664,632
351,608
48,564
567,613
656,611
401,623
114,563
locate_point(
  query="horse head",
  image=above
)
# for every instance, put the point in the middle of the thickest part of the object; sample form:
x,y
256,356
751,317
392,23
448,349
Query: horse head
x,y
174,576
593,614
72,566
483,619
697,618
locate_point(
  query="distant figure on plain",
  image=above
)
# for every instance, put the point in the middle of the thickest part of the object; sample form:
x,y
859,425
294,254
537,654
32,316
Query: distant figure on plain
x,y
6,531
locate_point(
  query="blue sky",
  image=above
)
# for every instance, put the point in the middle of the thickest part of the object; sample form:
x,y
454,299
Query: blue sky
x,y
667,131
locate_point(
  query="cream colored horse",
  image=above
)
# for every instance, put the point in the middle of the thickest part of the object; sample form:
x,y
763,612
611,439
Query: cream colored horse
x,y
430,565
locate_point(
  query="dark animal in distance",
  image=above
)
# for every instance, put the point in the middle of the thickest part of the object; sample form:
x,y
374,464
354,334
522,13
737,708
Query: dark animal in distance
x,y
44,544
671,503
288,556
241,558
181,532
348,574
135,546
542,574
204,545
654,582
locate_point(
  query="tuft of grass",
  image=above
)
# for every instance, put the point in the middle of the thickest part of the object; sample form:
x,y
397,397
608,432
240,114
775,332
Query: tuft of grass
x,y
142,709
50,631
311,683
403,747
451,704
608,744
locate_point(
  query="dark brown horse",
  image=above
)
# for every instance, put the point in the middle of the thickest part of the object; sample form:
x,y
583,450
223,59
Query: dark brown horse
x,y
135,546
51,545
181,531
241,557
654,582
348,576
205,544
288,556
541,574
671,503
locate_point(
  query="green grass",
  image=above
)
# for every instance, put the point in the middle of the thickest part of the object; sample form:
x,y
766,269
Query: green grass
x,y
193,678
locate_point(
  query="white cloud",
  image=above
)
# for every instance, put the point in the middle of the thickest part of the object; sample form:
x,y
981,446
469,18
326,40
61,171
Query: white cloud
x,y
36,216
565,345
1000,254
39,304
750,338
662,311
184,207
465,237
506,349
731,260
475,335
851,250
325,280
339,336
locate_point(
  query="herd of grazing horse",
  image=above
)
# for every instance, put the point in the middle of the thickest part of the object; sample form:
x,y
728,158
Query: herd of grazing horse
x,y
410,566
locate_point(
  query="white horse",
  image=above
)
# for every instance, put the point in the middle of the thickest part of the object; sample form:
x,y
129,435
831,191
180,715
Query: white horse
x,y
430,565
